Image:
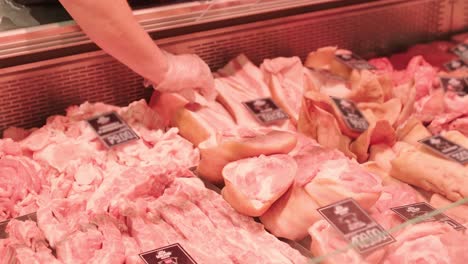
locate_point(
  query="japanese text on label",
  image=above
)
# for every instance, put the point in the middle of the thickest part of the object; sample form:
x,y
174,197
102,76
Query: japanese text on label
x,y
447,148
173,254
112,130
461,50
353,118
456,85
353,61
455,65
265,110
356,225
410,211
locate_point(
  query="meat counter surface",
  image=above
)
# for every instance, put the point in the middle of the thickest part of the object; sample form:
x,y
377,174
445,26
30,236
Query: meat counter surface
x,y
141,196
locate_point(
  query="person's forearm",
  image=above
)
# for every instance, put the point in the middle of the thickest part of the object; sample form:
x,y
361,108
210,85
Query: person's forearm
x,y
111,25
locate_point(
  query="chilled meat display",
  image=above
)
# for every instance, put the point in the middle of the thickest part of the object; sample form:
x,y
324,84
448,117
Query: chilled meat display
x,y
337,127
119,202
254,184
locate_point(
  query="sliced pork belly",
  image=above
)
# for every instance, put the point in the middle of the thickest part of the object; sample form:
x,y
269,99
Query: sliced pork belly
x,y
253,184
240,81
243,143
285,78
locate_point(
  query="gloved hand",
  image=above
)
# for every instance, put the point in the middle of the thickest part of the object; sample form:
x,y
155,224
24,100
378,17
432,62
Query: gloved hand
x,y
187,73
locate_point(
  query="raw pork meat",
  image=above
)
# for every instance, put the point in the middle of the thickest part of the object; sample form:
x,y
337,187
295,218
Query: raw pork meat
x,y
285,77
240,81
321,125
325,240
431,173
21,179
196,121
199,220
324,177
393,195
115,201
25,244
253,184
239,144
324,59
430,242
459,213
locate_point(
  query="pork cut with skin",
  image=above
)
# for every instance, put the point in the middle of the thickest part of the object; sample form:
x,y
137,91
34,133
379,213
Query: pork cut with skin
x,y
430,242
196,121
243,143
285,78
241,81
324,177
431,172
326,240
322,126
253,184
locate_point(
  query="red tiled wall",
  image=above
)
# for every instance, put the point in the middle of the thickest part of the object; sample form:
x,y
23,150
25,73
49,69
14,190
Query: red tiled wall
x,y
31,93
28,97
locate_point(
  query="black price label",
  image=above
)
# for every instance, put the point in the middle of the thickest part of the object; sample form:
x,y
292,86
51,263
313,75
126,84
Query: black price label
x,y
457,85
353,61
455,65
112,130
3,224
265,110
353,118
173,254
356,225
411,211
446,148
461,50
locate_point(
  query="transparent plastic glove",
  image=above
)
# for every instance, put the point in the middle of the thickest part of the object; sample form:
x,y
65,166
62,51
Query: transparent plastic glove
x,y
186,74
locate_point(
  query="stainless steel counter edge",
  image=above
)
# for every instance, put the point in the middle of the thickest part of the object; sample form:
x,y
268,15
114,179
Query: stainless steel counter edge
x,y
66,34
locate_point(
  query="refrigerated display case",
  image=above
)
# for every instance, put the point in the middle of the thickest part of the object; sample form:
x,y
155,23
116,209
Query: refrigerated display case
x,y
48,64
53,65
